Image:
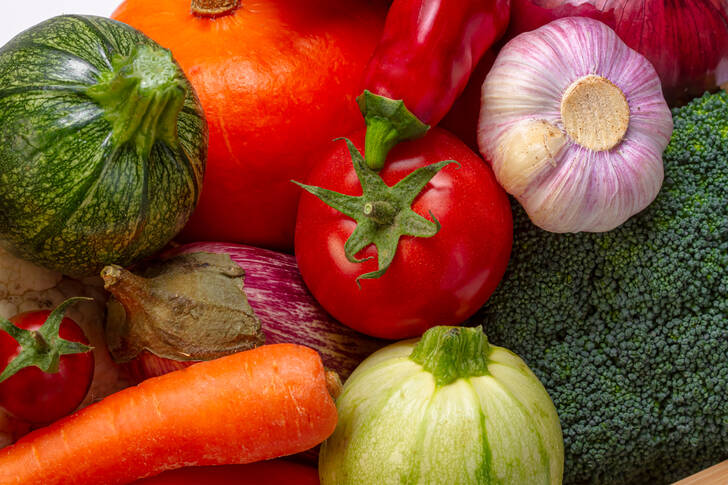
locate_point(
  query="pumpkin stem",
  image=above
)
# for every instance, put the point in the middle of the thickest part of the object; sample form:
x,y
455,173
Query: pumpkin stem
x,y
141,96
452,353
213,8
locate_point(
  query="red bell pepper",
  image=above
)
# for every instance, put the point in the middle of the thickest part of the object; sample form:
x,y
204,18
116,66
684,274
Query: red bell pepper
x,y
426,54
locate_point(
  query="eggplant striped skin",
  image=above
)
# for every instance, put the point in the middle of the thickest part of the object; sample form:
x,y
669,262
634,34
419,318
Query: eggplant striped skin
x,y
72,198
397,426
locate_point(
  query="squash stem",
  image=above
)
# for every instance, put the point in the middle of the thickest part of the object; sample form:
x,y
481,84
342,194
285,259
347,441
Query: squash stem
x,y
213,8
141,97
452,353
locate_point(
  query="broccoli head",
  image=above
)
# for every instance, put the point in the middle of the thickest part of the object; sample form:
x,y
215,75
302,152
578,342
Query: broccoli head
x,y
628,329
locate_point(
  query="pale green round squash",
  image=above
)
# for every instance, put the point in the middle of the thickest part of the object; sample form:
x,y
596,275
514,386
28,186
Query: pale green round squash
x,y
449,409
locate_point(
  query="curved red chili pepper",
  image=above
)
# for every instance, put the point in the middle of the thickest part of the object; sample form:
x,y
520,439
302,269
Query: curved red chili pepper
x,y
429,48
425,56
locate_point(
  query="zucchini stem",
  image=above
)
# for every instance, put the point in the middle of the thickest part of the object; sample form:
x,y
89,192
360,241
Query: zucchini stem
x,y
141,97
452,353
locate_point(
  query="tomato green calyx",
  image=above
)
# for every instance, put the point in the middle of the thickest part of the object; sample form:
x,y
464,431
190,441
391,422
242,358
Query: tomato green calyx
x,y
383,213
42,348
452,353
141,96
388,123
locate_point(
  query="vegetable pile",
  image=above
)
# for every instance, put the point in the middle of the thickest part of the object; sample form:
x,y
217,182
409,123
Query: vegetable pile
x,y
627,329
216,360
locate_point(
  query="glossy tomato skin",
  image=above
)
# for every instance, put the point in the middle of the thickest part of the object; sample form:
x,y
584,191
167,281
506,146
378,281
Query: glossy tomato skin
x,y
441,280
277,79
38,397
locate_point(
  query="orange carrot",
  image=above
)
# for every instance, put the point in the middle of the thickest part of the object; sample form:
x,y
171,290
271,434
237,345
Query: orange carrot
x,y
278,472
254,405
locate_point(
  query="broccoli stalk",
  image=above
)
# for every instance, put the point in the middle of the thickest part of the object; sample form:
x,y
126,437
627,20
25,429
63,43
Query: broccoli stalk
x,y
628,330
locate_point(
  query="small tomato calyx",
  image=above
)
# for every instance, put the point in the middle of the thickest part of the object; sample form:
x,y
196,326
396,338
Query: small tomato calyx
x,y
44,347
383,213
388,123
452,353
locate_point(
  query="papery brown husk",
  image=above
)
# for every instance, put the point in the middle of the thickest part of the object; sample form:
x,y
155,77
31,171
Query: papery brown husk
x,y
190,307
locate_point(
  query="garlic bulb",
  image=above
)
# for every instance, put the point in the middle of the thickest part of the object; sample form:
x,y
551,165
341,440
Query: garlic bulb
x,y
574,124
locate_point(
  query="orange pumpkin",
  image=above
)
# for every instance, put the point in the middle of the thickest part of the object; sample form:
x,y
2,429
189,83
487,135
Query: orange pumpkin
x,y
276,79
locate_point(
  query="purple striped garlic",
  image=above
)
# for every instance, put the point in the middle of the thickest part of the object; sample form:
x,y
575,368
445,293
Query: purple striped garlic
x,y
574,124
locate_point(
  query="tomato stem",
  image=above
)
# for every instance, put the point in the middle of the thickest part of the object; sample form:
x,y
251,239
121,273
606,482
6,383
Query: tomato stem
x,y
380,211
213,8
40,342
388,123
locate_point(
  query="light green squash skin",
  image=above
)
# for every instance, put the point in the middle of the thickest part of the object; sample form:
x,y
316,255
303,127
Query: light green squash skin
x,y
396,426
71,198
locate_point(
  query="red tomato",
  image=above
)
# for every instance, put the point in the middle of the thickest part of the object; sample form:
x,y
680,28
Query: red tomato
x,y
432,281
38,397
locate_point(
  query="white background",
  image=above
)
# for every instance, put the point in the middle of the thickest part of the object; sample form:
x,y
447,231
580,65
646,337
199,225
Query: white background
x,y
18,15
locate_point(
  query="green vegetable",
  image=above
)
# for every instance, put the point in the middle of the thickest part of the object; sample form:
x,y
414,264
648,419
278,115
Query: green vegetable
x,y
628,330
102,145
449,409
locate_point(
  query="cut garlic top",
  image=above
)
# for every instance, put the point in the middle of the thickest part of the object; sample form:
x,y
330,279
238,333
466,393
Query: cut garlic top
x,y
574,124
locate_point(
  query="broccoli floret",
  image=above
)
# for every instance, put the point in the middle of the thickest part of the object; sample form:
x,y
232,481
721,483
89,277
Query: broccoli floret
x,y
628,330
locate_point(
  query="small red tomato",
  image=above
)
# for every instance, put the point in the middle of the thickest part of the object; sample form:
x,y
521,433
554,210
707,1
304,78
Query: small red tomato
x,y
42,397
438,280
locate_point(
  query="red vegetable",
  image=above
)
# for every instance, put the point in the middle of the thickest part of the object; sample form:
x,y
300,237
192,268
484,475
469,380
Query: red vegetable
x,y
46,365
463,117
425,56
428,50
441,278
254,405
685,40
275,472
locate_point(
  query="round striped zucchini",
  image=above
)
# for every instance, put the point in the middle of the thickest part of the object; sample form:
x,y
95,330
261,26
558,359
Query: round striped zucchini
x,y
102,145
449,409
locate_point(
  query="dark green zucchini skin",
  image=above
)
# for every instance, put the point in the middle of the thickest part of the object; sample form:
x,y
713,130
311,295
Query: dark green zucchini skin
x,y
72,197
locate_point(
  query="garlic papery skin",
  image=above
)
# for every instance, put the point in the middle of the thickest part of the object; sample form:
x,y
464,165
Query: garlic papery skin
x,y
574,124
